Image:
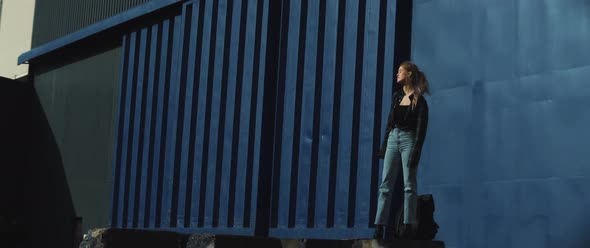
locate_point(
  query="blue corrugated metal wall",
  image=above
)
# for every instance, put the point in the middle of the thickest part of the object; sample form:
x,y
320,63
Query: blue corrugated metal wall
x,y
506,153
335,77
188,150
190,115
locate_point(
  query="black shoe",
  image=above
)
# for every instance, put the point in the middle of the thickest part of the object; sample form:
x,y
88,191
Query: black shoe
x,y
378,234
388,233
408,231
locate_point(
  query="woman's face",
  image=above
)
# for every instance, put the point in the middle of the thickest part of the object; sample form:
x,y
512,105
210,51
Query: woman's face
x,y
402,75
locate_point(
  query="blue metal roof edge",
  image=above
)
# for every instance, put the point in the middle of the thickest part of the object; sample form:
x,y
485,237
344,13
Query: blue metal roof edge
x,y
96,28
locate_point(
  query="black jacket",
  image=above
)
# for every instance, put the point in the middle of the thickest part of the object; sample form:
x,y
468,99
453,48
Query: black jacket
x,y
418,120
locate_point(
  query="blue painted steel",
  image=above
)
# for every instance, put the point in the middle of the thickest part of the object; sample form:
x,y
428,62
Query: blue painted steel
x,y
99,27
147,159
328,67
214,105
161,120
240,131
188,142
256,110
172,134
328,116
344,147
189,36
189,149
124,161
135,166
506,152
288,113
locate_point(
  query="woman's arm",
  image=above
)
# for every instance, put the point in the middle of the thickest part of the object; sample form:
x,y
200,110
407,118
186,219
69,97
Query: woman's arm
x,y
381,153
421,127
388,125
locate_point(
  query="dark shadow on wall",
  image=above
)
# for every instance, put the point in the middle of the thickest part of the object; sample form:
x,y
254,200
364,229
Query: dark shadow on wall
x,y
48,196
50,208
37,208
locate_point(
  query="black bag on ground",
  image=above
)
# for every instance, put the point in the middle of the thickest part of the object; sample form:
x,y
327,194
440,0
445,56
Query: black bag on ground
x,y
427,227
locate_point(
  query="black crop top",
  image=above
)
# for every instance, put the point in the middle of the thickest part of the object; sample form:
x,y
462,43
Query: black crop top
x,y
399,117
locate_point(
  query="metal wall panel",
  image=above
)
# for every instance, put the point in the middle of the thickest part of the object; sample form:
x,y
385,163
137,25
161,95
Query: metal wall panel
x,y
56,18
335,78
189,144
188,147
506,154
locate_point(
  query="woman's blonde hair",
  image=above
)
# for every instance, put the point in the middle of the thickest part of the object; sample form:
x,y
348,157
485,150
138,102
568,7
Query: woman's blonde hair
x,y
418,81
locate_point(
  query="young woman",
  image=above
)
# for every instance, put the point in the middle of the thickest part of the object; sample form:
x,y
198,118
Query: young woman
x,y
402,145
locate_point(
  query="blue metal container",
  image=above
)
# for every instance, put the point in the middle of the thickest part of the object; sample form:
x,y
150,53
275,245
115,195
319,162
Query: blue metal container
x,y
255,117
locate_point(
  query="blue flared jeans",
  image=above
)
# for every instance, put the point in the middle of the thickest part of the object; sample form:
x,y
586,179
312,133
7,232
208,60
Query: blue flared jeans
x,y
399,148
